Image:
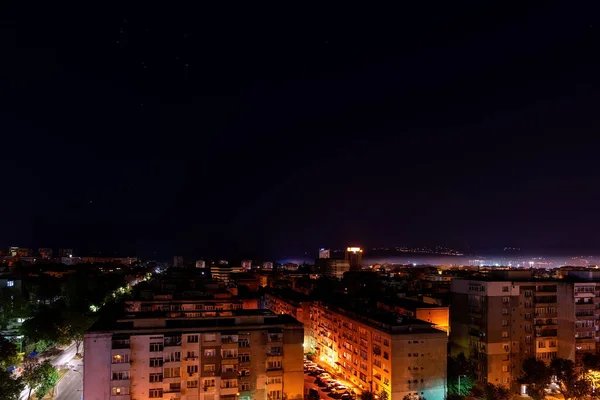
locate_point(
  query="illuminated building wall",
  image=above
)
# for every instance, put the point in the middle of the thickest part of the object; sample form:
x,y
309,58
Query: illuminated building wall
x,y
353,256
45,253
378,352
439,316
324,253
258,356
298,308
223,270
499,323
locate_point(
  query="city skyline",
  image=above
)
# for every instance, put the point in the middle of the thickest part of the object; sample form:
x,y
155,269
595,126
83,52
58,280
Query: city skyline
x,y
467,125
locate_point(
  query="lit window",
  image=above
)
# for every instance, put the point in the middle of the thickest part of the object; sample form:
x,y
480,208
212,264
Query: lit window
x,y
10,283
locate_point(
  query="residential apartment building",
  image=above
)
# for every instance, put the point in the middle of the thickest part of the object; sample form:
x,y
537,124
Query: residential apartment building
x,y
223,270
503,320
379,350
291,303
437,315
228,355
191,306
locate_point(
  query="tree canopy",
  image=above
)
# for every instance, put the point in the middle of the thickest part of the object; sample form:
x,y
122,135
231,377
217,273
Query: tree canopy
x,y
10,387
571,384
463,367
8,354
537,376
39,377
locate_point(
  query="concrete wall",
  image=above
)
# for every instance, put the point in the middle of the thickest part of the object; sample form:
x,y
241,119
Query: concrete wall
x,y
427,363
97,366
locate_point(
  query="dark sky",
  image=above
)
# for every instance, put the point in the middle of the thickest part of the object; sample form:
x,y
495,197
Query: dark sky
x,y
265,131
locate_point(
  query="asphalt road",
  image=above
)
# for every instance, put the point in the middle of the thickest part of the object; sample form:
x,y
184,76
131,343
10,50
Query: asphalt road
x,y
70,386
59,361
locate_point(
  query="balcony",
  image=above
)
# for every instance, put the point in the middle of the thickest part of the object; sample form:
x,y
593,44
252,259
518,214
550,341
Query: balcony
x,y
229,339
231,391
229,375
174,341
120,383
119,367
546,315
545,289
545,300
541,322
120,344
546,333
275,338
172,379
475,311
120,397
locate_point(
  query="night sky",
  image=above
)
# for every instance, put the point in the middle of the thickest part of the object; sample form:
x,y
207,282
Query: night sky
x,y
266,131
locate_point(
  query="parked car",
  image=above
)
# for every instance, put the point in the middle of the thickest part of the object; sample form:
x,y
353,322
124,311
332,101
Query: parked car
x,y
339,388
313,394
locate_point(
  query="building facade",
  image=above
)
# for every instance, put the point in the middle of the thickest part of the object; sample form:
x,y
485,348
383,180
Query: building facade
x,y
291,303
222,270
234,355
380,351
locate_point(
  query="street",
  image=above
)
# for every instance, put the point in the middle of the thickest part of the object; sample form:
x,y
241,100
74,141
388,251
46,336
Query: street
x,y
70,386
60,362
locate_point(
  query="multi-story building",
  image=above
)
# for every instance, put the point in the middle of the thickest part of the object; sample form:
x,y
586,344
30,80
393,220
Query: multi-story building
x,y
191,307
379,350
513,316
502,320
68,253
45,253
200,264
324,253
354,257
178,261
292,303
246,265
579,314
332,267
226,355
437,315
222,270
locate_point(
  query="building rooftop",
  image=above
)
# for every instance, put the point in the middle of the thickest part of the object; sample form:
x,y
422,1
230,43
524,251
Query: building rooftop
x,y
408,304
288,295
142,323
380,319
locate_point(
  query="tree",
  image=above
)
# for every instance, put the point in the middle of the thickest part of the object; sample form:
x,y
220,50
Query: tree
x,y
493,392
590,361
367,395
570,383
8,354
31,374
50,378
537,376
10,387
75,324
39,377
463,367
384,395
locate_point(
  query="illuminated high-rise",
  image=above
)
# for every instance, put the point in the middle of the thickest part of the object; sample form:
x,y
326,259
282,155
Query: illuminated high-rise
x,y
324,253
354,257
